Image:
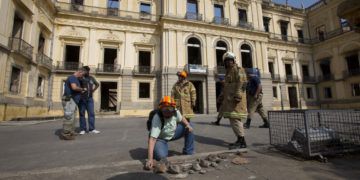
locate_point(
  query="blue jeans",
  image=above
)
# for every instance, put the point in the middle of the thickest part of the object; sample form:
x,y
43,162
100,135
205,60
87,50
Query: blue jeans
x,y
161,148
87,104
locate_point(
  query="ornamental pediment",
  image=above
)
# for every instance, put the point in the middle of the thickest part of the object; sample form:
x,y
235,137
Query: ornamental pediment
x,y
242,3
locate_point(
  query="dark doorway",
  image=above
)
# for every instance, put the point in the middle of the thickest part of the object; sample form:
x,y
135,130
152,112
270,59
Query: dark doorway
x,y
194,51
72,57
293,97
246,56
108,96
199,106
110,58
221,49
218,90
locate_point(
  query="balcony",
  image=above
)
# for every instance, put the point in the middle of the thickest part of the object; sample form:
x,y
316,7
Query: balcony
x,y
221,21
351,72
193,16
220,70
309,79
196,69
326,77
245,25
20,46
107,12
331,34
286,38
68,66
292,78
108,69
275,77
44,61
144,71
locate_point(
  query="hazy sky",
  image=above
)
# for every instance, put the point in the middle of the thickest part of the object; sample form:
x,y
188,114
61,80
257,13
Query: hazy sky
x,y
297,3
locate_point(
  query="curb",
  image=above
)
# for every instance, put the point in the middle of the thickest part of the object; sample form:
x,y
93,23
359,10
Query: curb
x,y
115,164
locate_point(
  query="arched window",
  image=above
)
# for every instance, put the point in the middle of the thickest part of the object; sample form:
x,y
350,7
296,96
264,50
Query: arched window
x,y
194,51
246,56
220,49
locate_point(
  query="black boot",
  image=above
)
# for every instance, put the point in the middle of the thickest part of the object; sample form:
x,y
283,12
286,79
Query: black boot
x,y
247,124
217,122
236,142
241,143
265,125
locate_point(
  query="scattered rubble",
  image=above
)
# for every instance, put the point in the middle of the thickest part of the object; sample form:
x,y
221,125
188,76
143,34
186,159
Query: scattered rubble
x,y
240,160
204,163
203,171
196,167
174,169
181,176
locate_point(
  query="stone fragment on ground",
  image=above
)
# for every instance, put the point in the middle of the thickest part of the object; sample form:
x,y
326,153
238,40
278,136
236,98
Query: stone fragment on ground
x,y
160,168
203,171
204,163
238,160
196,166
174,169
181,176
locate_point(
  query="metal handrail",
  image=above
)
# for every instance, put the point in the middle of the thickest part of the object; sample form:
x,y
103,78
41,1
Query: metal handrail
x,y
245,24
144,70
44,60
326,77
292,78
110,12
110,68
68,65
21,46
193,16
275,77
221,20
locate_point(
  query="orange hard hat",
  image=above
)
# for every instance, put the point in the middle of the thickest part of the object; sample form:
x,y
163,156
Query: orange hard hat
x,y
182,74
167,101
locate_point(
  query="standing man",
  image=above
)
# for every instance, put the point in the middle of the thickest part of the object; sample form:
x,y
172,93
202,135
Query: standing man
x,y
184,94
70,101
254,98
87,102
234,98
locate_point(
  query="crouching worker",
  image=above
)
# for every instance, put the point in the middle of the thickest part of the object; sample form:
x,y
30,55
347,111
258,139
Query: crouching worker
x,y
167,125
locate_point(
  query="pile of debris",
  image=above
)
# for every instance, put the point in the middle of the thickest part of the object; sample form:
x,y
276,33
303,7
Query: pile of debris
x,y
182,169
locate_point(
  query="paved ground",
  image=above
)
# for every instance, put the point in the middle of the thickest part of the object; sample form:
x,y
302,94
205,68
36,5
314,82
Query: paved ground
x,y
33,151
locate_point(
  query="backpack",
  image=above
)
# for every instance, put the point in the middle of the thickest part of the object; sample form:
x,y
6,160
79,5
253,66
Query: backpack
x,y
151,116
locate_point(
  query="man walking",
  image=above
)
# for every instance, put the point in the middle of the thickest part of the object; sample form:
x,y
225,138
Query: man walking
x,y
87,102
70,101
184,94
234,98
254,98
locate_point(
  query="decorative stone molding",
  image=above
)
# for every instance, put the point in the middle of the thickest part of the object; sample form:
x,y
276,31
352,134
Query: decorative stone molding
x,y
109,42
271,53
242,4
69,39
218,2
144,46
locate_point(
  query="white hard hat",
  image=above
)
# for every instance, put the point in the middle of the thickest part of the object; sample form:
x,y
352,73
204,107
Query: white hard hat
x,y
229,55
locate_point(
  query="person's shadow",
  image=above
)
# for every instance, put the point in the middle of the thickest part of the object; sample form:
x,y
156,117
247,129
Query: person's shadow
x,y
209,123
211,141
138,175
58,132
141,153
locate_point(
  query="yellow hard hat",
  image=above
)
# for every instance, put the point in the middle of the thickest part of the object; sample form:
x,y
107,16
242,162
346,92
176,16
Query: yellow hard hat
x,y
182,74
167,101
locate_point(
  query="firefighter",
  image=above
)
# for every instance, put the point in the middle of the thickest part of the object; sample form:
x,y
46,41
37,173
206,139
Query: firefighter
x,y
234,98
254,98
184,94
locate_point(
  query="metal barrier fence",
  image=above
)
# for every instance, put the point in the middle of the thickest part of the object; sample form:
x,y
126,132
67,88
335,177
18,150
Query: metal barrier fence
x,y
312,133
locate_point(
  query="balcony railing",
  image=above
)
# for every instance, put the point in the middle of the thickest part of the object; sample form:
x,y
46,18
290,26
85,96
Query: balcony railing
x,y
275,77
246,25
108,68
289,38
21,46
292,78
144,70
68,66
221,20
309,79
326,77
193,16
110,12
44,60
331,34
351,72
196,69
220,70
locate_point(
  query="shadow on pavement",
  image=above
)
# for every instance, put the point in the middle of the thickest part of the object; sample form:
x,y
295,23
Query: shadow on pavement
x,y
209,123
211,141
137,175
141,153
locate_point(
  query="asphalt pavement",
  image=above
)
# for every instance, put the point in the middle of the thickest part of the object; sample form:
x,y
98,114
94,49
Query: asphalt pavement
x,y
32,150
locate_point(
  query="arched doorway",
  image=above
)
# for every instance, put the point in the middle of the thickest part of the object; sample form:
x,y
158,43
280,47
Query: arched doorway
x,y
246,56
194,51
